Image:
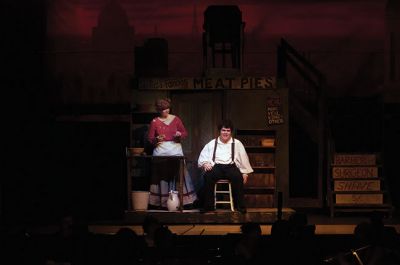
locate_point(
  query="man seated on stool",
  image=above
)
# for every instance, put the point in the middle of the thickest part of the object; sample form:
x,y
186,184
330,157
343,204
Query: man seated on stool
x,y
225,158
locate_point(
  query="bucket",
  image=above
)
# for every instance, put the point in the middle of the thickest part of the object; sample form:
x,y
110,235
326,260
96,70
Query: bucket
x,y
140,200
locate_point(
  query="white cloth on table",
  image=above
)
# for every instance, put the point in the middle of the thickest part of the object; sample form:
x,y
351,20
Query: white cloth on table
x,y
159,192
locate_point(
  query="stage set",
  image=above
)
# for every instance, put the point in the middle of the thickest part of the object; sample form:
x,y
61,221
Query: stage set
x,y
320,131
300,157
287,134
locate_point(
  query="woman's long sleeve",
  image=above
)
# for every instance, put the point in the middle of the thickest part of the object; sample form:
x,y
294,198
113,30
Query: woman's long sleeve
x,y
181,128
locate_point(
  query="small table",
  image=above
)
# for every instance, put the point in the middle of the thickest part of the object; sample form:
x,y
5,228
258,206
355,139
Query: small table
x,y
181,174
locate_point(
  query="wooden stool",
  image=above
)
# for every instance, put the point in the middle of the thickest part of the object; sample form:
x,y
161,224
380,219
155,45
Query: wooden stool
x,y
217,191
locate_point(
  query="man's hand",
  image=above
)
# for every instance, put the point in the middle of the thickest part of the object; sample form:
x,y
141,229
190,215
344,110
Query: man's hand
x,y
245,176
207,166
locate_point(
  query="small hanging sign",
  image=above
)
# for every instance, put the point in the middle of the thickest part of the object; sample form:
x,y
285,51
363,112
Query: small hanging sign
x,y
274,110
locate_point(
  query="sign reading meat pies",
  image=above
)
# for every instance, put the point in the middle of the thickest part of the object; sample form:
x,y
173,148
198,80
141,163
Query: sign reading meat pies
x,y
193,83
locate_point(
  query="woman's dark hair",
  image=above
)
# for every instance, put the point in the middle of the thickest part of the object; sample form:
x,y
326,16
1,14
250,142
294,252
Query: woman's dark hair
x,y
225,124
162,104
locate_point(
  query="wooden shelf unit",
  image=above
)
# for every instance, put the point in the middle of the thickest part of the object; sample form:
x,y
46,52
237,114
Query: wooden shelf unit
x,y
138,166
260,189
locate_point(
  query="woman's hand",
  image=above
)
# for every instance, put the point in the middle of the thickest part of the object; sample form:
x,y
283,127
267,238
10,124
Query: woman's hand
x,y
207,166
160,139
177,136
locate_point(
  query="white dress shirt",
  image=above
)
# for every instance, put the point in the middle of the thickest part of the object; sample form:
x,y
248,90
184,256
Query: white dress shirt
x,y
223,155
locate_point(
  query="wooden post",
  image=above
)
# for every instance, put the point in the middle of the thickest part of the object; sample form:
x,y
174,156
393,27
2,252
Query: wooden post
x,y
129,180
181,179
281,61
279,205
322,150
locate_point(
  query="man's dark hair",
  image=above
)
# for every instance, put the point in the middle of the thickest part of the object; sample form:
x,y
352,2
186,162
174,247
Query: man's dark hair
x,y
225,124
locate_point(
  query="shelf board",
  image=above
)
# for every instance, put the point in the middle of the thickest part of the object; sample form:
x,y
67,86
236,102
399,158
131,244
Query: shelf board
x,y
336,165
360,192
255,132
384,205
355,179
142,156
267,167
260,147
259,190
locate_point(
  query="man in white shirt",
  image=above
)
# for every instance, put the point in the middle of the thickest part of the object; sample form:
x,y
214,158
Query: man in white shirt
x,y
224,158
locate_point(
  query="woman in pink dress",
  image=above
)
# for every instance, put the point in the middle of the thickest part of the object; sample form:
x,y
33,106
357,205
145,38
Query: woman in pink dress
x,y
165,133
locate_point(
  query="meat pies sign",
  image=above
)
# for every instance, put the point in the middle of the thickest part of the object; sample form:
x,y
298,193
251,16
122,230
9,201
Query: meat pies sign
x,y
274,110
207,83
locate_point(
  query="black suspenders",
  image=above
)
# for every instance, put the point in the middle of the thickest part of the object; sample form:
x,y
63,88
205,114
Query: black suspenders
x,y
232,149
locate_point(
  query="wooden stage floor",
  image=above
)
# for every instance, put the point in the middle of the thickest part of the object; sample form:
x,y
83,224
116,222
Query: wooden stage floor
x,y
259,215
194,223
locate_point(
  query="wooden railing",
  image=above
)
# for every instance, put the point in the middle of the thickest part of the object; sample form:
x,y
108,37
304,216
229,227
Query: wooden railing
x,y
309,105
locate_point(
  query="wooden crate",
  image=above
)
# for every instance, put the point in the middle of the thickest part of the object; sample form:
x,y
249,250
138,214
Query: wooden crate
x,y
261,180
261,159
354,160
357,185
354,172
359,198
259,200
267,142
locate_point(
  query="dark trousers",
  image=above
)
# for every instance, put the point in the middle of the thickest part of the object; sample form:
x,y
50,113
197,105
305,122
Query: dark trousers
x,y
229,172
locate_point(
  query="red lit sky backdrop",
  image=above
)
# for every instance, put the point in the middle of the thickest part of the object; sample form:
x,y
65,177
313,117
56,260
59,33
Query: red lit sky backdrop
x,y
277,17
345,39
